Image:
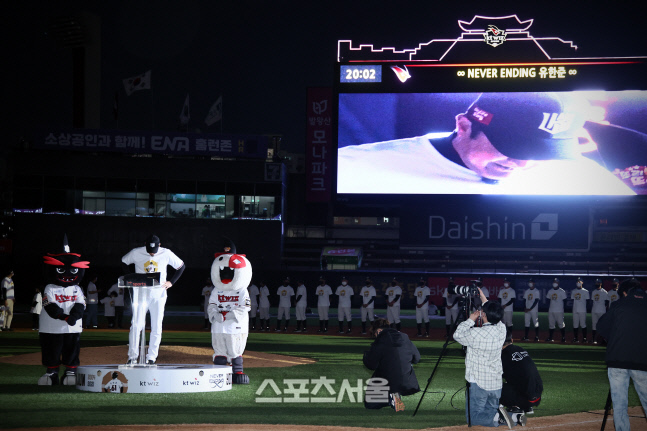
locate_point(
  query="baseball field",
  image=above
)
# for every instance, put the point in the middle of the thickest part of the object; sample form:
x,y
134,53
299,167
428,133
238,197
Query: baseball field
x,y
305,381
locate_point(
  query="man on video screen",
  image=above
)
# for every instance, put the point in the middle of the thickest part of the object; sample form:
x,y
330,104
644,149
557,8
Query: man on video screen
x,y
504,143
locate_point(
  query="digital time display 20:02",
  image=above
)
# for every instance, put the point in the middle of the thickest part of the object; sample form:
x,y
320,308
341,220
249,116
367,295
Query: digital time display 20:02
x,y
360,74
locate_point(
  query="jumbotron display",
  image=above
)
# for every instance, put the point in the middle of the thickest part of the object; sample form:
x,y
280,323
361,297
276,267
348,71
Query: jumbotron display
x,y
494,143
495,109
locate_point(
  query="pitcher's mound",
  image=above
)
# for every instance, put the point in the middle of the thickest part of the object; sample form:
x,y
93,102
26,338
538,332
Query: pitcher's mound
x,y
167,355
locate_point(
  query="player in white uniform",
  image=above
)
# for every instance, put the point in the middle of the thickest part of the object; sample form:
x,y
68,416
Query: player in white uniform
x,y
507,295
285,294
531,310
600,300
264,306
92,305
450,301
253,291
393,295
422,294
118,303
580,296
485,290
8,296
36,308
556,295
206,292
109,308
367,293
152,258
301,301
344,293
323,292
613,293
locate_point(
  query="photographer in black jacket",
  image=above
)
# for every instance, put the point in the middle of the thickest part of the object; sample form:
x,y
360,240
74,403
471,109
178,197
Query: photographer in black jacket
x,y
523,386
391,356
623,326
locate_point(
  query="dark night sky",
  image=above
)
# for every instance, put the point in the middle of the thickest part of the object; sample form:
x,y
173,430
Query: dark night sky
x,y
260,56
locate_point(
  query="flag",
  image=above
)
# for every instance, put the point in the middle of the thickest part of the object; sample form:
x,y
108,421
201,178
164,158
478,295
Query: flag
x,y
115,107
185,115
215,113
139,82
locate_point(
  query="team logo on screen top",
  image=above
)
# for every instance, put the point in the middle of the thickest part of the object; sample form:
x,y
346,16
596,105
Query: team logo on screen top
x,y
320,107
401,72
493,36
554,123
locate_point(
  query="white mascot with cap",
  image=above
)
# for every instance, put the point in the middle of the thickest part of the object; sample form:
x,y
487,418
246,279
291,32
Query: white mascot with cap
x,y
228,309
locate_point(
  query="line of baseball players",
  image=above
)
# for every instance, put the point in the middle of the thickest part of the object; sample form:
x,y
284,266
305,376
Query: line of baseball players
x,y
600,301
260,301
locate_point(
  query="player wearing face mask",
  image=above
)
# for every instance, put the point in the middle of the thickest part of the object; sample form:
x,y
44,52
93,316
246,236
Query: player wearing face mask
x,y
531,315
285,294
556,295
507,295
323,292
344,292
580,296
600,300
393,293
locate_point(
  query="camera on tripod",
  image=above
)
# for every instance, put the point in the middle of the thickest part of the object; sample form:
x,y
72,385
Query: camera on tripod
x,y
464,291
470,298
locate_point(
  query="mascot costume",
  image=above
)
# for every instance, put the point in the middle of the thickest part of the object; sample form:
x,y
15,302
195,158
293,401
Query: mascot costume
x,y
228,309
60,321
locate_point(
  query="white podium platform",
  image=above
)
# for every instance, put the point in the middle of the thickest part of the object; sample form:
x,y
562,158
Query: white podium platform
x,y
153,379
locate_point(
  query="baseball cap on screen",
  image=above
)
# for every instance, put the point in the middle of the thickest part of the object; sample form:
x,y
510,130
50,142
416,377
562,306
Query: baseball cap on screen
x,y
152,244
529,126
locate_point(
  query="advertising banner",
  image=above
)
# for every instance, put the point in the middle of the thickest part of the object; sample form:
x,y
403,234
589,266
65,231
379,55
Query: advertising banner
x,y
155,142
515,227
319,144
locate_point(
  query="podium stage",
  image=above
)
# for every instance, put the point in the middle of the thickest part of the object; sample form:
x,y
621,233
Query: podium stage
x,y
153,379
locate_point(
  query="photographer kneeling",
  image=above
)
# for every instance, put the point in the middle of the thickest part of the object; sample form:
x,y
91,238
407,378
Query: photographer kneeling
x,y
523,385
391,356
483,367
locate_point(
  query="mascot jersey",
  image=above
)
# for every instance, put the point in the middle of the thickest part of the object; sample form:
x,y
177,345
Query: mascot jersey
x,y
145,263
236,304
64,297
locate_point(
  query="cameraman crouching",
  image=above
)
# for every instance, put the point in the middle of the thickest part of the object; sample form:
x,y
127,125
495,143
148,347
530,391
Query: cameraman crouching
x,y
483,367
391,356
523,385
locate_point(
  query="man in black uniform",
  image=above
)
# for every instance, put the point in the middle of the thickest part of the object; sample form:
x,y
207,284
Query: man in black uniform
x,y
391,356
522,388
623,326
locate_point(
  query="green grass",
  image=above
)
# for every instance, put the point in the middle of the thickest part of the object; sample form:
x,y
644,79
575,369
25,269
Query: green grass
x,y
574,381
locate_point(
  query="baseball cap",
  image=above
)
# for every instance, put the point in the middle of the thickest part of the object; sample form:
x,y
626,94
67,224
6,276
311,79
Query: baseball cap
x,y
529,126
152,244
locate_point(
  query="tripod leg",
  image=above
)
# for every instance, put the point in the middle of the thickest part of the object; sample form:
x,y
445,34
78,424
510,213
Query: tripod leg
x,y
607,407
442,353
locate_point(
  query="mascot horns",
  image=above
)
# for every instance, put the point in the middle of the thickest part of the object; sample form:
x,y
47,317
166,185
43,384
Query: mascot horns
x,y
228,245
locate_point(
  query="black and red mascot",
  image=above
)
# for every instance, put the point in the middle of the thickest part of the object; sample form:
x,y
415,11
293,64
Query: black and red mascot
x,y
62,316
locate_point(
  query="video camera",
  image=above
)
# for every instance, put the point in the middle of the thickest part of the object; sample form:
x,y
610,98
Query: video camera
x,y
464,291
470,298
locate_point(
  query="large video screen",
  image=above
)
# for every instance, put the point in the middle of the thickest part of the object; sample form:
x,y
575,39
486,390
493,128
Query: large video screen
x,y
576,143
